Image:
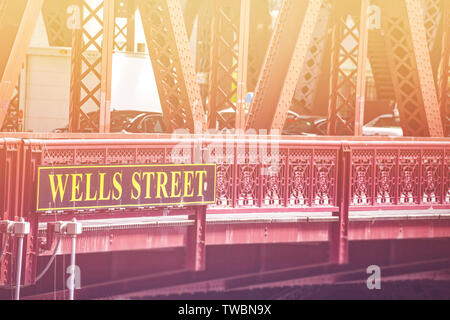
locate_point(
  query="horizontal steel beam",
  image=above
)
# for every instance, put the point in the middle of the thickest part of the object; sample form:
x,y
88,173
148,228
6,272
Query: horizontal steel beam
x,y
157,233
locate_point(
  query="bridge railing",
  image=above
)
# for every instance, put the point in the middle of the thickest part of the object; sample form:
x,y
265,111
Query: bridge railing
x,y
399,175
254,175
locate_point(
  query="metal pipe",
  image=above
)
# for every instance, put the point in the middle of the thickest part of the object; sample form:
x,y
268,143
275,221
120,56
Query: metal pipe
x,y
19,268
72,269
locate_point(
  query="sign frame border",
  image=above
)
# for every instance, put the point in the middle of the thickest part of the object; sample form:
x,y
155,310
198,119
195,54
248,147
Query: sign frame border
x,y
44,210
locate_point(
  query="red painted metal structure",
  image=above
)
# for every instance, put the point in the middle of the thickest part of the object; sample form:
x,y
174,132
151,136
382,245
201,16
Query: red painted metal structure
x,y
410,56
277,202
270,189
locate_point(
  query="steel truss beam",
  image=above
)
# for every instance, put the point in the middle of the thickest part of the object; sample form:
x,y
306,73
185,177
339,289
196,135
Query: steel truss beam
x,y
210,45
91,67
377,55
348,67
444,83
260,33
12,119
124,25
15,40
229,60
56,14
173,65
284,61
433,19
242,71
224,56
192,11
410,66
308,83
203,45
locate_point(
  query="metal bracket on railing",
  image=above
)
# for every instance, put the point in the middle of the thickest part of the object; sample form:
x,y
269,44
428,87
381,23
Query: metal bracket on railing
x,y
71,229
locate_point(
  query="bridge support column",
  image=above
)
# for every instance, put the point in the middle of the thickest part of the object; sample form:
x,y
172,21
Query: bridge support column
x,y
195,242
338,233
348,67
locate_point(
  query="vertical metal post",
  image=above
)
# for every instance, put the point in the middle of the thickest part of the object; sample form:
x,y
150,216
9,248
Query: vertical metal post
x,y
347,66
124,25
244,28
334,69
90,88
75,75
131,29
195,244
225,49
362,65
339,253
107,48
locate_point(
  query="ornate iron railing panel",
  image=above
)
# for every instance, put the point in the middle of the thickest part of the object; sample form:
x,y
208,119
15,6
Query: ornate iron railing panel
x,y
403,176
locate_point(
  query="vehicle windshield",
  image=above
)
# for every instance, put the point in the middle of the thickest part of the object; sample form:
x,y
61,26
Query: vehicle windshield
x,y
134,123
386,122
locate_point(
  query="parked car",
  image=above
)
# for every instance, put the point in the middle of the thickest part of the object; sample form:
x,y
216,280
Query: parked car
x,y
295,124
148,122
120,119
387,125
341,129
384,125
302,125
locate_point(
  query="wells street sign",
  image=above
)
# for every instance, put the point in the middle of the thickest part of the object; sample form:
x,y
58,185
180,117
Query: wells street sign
x,y
95,187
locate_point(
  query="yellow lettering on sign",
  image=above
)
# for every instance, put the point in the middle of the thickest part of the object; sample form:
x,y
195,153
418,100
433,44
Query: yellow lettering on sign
x,y
136,185
102,188
200,175
88,188
188,184
176,175
76,187
61,189
148,176
117,185
161,186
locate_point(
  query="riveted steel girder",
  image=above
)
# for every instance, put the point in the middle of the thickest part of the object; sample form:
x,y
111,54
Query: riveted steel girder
x,y
284,61
17,22
444,82
91,67
348,67
173,64
56,14
410,65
